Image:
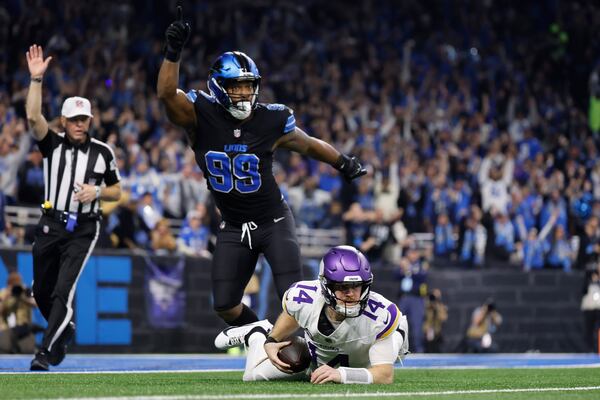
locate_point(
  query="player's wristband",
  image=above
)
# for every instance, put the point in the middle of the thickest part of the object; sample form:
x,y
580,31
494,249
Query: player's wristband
x,y
271,339
341,162
355,375
172,55
36,79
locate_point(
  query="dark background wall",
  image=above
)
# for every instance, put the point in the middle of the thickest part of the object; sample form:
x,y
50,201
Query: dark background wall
x,y
540,309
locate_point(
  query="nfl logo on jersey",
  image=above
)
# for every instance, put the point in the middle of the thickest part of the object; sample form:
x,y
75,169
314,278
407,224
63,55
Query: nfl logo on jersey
x,y
237,132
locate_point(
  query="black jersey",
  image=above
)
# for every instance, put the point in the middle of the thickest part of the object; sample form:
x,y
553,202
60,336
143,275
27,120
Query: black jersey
x,y
236,157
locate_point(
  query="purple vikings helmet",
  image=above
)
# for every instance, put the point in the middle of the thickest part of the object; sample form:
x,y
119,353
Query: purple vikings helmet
x,y
345,265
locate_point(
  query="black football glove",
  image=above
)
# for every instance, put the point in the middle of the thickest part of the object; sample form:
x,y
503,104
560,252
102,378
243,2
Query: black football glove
x,y
350,167
177,34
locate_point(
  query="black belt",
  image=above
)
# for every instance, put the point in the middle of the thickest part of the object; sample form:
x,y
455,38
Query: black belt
x,y
63,216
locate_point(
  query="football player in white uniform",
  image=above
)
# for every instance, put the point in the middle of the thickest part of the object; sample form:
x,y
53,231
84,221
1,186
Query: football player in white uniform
x,y
354,335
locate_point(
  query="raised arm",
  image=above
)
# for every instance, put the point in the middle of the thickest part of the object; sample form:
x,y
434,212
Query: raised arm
x,y
180,110
33,105
300,142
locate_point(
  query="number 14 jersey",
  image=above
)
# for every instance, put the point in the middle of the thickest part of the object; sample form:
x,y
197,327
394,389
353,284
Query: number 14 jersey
x,y
350,342
236,157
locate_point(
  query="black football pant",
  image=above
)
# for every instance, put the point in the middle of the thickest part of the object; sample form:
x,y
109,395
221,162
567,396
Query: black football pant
x,y
234,259
59,257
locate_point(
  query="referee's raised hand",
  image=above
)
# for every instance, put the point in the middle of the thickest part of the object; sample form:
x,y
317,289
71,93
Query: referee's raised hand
x,y
35,61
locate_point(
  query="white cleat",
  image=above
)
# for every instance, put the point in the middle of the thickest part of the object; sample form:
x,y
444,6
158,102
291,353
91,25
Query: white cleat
x,y
237,335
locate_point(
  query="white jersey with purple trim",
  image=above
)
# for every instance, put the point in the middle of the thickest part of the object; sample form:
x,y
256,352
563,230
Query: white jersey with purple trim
x,y
349,344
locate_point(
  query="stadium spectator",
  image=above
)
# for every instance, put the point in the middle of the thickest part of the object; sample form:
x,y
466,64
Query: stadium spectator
x,y
377,237
31,179
365,348
473,240
412,273
443,238
536,246
241,177
162,240
589,246
195,237
503,237
14,147
561,253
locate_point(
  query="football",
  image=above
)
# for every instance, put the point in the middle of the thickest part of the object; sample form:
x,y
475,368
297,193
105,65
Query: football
x,y
296,354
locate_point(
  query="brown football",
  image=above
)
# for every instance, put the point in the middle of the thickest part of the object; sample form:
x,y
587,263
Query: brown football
x,y
296,354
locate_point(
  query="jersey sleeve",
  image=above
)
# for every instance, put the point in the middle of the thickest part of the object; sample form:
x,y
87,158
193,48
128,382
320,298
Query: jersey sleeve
x,y
384,351
299,298
47,144
290,123
192,95
111,176
285,115
390,322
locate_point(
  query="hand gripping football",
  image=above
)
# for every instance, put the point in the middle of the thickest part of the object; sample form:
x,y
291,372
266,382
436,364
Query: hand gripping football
x,y
296,354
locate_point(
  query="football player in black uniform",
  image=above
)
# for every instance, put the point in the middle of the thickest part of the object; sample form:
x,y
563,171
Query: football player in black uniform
x,y
233,138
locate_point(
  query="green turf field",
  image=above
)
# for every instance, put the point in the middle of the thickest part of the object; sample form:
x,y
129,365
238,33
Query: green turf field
x,y
574,383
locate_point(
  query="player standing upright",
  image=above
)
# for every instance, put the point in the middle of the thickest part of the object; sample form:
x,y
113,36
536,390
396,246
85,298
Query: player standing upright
x,y
354,335
233,138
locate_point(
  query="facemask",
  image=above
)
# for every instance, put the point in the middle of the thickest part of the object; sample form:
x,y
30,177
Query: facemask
x,y
348,311
241,110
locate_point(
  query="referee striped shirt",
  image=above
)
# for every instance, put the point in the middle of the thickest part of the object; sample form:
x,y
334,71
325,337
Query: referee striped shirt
x,y
65,164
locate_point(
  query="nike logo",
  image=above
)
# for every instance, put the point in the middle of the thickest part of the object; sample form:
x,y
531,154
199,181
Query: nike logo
x,y
276,220
387,319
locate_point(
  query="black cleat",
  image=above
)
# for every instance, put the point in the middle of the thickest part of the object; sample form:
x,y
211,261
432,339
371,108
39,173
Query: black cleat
x,y
59,349
40,361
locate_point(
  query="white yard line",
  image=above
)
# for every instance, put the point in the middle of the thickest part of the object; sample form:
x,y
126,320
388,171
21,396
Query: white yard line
x,y
344,395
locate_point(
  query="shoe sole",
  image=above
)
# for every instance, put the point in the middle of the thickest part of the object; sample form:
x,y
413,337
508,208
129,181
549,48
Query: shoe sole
x,y
38,368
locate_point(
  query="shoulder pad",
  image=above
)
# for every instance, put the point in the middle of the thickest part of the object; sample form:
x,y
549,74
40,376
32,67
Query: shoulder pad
x,y
299,294
276,107
192,96
384,313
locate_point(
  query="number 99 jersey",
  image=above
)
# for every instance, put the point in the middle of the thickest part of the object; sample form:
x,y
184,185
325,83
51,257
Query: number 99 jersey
x,y
236,156
350,342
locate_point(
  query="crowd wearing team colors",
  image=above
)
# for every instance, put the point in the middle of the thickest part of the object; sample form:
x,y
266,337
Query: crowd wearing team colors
x,y
482,136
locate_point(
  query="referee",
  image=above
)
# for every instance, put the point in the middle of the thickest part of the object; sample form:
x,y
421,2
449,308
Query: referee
x,y
78,172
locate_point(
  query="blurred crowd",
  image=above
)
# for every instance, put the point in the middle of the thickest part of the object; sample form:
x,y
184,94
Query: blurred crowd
x,y
477,123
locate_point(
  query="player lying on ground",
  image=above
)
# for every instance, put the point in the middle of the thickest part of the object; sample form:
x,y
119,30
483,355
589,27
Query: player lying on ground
x,y
353,335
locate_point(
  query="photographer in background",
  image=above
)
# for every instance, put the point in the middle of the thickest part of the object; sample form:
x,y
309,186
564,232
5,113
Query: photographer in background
x,y
436,313
484,322
16,306
590,305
